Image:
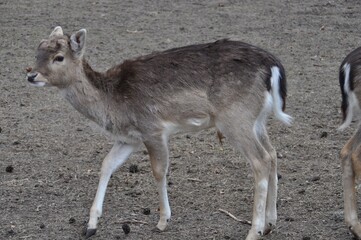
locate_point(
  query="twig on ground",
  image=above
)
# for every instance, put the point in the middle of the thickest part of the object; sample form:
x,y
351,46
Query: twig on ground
x,y
235,218
194,179
133,31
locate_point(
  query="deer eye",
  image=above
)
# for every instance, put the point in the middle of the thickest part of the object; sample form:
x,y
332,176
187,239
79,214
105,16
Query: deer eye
x,y
58,58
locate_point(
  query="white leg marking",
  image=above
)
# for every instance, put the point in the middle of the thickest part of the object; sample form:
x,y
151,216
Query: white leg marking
x,y
271,209
259,222
165,212
115,158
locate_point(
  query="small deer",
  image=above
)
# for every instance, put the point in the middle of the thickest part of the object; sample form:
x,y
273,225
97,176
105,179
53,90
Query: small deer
x,y
229,85
350,80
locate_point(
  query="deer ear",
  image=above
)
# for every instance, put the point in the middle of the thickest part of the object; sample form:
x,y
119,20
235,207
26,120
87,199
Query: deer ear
x,y
77,42
56,32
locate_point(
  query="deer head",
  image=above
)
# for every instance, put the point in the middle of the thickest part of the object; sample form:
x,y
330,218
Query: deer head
x,y
58,59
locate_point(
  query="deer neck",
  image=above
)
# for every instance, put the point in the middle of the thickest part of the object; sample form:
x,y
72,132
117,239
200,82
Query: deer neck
x,y
87,99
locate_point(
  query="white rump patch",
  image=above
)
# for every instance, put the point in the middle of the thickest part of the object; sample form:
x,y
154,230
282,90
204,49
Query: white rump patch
x,y
277,101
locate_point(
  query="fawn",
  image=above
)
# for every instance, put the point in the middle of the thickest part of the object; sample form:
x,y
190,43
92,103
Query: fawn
x,y
229,85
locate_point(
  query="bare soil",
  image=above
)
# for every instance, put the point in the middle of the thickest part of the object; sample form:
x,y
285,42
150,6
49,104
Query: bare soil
x,y
51,155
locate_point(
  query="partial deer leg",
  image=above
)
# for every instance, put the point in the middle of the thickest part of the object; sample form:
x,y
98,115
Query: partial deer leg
x,y
115,158
348,156
158,154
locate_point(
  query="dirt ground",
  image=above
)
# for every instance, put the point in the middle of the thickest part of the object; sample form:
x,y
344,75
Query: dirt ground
x,y
51,155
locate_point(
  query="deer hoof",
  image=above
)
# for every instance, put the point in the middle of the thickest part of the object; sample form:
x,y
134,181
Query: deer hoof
x,y
253,236
268,229
356,230
90,232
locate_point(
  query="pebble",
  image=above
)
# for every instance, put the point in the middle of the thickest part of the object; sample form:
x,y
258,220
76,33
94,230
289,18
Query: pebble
x,y
302,191
323,135
126,228
71,220
9,169
146,211
133,168
315,178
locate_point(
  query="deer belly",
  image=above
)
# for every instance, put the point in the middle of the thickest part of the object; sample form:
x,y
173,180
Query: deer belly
x,y
192,124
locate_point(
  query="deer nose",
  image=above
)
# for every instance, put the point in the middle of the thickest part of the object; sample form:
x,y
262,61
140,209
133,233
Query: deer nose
x,y
32,76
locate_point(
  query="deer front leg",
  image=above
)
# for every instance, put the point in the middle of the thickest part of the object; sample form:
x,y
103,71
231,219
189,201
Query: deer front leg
x,y
158,154
114,159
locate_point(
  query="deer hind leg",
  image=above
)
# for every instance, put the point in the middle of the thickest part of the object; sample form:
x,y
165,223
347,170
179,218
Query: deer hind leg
x,y
245,140
115,158
350,162
159,159
271,206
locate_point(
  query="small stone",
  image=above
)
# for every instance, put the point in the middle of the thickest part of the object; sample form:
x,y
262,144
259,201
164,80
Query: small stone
x,y
126,228
0,129
323,135
315,178
42,225
71,220
302,191
289,219
16,142
146,211
9,169
145,152
133,168
279,176
306,238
